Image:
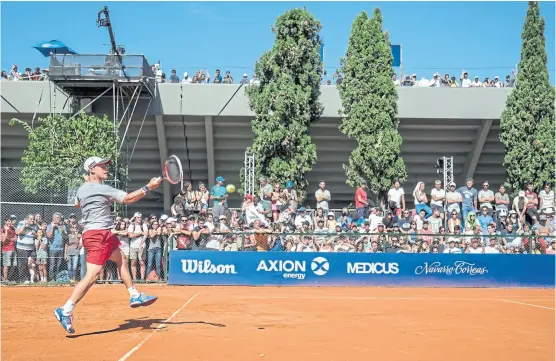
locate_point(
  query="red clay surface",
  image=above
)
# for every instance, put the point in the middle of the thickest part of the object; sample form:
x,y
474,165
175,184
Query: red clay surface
x,y
283,324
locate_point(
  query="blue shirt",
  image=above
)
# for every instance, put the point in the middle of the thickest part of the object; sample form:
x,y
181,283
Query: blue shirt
x,y
485,221
217,192
57,241
468,196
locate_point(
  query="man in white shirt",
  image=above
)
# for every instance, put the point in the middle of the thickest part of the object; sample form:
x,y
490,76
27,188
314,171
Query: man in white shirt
x,y
374,220
137,234
453,198
395,80
492,247
465,81
486,198
475,247
497,83
452,247
438,195
435,82
396,195
302,217
322,196
476,83
546,197
186,79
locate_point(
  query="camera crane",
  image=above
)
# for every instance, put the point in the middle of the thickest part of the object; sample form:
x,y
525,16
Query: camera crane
x,y
105,21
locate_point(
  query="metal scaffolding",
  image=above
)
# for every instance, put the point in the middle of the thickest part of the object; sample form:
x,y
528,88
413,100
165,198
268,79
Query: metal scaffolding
x,y
249,178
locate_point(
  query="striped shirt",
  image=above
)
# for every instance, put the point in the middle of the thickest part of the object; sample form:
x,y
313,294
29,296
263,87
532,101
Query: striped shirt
x,y
26,240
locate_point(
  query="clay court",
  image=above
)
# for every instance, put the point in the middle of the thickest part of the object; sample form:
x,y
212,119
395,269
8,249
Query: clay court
x,y
283,324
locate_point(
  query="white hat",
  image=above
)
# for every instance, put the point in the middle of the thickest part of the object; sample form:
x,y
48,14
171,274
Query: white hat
x,y
92,162
222,217
163,217
137,215
245,75
452,184
185,75
170,220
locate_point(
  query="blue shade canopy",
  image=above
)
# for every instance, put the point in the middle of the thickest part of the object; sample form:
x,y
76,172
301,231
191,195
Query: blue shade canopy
x,y
53,46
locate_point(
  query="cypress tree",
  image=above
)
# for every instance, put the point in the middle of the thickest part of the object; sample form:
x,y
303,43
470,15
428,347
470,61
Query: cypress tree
x,y
370,109
527,123
285,101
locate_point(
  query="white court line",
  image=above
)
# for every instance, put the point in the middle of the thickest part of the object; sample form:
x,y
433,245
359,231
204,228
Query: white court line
x,y
362,298
127,355
531,305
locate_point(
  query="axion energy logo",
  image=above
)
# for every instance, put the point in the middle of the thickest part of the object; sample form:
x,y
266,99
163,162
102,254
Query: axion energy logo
x,y
294,269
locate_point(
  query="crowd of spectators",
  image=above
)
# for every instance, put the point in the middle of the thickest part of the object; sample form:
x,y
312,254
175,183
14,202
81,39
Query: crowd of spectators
x,y
29,74
444,220
450,81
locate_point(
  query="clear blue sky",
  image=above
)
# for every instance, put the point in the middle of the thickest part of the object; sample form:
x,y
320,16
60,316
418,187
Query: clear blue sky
x,y
481,37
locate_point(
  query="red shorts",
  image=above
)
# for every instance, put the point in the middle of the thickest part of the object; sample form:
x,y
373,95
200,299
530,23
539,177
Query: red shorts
x,y
99,245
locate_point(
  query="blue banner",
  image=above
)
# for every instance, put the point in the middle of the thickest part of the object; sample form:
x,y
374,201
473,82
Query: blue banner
x,y
397,54
360,269
321,52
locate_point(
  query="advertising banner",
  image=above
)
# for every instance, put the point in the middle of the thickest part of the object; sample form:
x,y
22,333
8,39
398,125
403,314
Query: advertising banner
x,y
360,269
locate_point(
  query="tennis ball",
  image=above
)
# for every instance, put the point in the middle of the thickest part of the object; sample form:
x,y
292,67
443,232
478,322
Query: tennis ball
x,y
230,188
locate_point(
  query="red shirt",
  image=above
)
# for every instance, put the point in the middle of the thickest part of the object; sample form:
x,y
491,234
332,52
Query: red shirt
x,y
360,194
531,196
9,243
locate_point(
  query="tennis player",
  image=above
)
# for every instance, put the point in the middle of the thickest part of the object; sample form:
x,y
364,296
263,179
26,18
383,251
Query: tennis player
x,y
95,198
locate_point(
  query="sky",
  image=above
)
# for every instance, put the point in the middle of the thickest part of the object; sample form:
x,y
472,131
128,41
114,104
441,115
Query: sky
x,y
483,38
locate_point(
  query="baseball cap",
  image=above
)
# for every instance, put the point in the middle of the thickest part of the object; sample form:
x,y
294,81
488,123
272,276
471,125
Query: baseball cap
x,y
92,162
222,217
170,220
249,196
13,216
289,184
452,184
72,215
163,217
302,209
137,215
220,179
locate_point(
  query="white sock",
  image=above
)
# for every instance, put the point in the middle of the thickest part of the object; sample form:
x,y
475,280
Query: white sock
x,y
133,292
68,308
32,273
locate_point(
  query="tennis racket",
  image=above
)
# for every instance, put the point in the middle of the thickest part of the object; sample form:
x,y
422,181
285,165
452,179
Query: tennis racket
x,y
173,171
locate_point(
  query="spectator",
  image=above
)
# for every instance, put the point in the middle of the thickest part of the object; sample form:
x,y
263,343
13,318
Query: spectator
x,y
438,195
436,82
453,199
71,252
25,246
436,220
137,232
15,74
322,195
552,249
453,221
502,200
452,247
514,220
219,196
453,82
8,238
291,194
446,80
302,217
186,79
531,212
420,199
510,82
202,197
519,204
4,75
244,80
154,250
163,78
361,199
252,210
57,235
424,82
475,247
41,246
217,77
476,83
469,199
486,198
396,198
485,219
465,81
497,83
27,75
173,77
228,78
395,80
546,197
37,75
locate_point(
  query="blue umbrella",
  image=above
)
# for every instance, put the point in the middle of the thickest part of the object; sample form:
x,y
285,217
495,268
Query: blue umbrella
x,y
54,46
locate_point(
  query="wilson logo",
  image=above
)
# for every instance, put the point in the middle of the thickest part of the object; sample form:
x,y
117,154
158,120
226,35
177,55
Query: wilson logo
x,y
206,266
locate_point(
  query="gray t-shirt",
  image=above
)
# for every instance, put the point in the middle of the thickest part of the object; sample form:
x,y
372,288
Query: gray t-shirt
x,y
502,197
95,200
486,194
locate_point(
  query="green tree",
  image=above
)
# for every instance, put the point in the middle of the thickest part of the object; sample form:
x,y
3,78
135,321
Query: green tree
x,y
527,123
53,161
285,101
370,108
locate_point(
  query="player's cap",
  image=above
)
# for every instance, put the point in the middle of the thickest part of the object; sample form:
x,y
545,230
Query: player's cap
x,y
92,162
